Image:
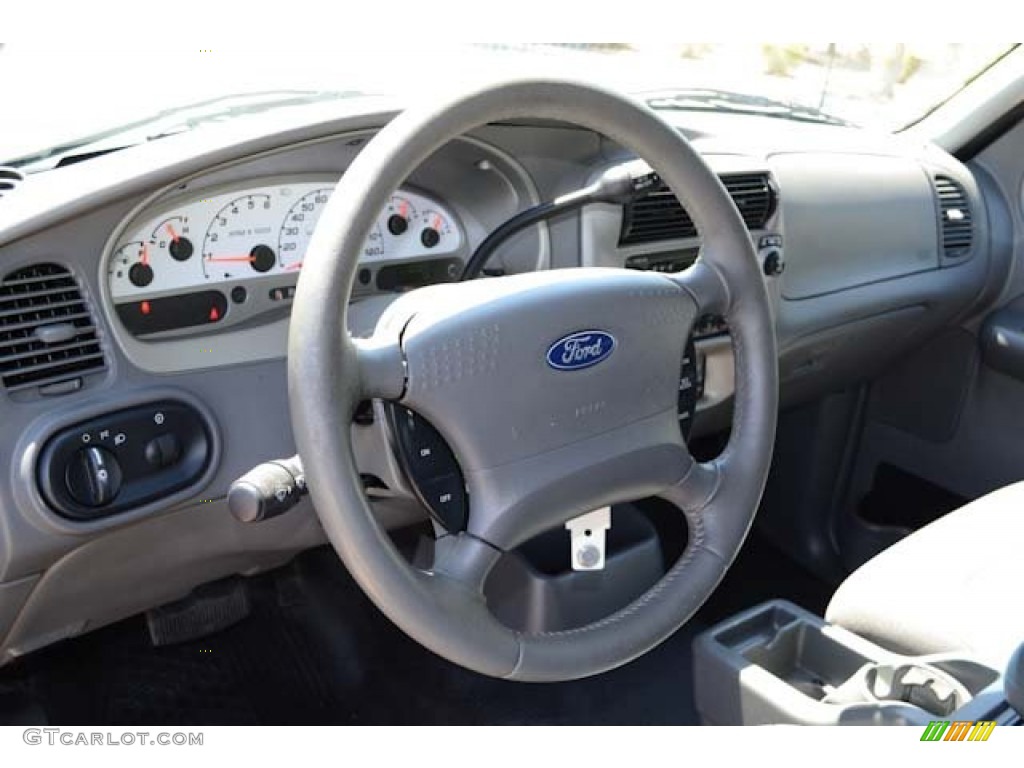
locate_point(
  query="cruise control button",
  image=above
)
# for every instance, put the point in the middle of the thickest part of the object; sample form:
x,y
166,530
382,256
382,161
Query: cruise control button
x,y
428,456
426,451
446,497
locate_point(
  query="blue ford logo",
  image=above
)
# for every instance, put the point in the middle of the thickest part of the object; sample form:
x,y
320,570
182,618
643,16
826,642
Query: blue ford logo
x,y
580,350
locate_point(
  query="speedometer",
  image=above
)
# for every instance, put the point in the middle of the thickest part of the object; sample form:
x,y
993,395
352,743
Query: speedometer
x,y
230,255
299,223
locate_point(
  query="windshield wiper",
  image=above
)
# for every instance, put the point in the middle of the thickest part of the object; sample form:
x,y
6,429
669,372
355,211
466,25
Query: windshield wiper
x,y
169,122
710,100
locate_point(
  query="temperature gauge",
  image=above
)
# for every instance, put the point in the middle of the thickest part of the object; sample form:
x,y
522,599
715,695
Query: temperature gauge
x,y
172,235
234,246
157,258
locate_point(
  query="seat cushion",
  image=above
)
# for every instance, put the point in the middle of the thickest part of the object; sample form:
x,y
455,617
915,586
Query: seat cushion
x,y
955,585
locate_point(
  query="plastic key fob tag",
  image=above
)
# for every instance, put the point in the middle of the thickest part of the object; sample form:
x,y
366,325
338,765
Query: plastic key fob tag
x,y
586,539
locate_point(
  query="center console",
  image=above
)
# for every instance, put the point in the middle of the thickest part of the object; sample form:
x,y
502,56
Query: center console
x,y
777,663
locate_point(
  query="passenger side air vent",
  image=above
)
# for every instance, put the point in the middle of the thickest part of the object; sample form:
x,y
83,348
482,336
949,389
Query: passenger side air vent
x,y
658,216
956,221
9,179
47,335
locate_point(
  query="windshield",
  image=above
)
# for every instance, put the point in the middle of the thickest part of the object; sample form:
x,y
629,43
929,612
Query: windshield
x,y
112,99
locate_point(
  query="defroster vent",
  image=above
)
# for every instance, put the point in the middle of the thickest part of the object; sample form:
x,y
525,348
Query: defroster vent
x,y
47,334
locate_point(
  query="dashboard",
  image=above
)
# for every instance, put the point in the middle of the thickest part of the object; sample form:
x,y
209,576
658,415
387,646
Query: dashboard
x,y
146,293
223,257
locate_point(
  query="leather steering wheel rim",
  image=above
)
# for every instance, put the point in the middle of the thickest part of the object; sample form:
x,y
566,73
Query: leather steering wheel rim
x,y
459,341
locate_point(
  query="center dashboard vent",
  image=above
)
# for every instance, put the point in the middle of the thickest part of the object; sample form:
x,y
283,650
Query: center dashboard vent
x,y
659,216
956,221
47,334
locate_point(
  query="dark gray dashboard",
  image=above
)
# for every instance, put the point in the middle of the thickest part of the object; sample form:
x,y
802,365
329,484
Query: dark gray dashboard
x,y
868,273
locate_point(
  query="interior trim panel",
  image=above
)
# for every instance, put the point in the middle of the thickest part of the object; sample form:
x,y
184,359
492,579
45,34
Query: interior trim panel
x,y
854,278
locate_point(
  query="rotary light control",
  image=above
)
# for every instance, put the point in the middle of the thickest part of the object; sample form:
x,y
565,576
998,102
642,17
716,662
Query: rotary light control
x,y
93,476
120,460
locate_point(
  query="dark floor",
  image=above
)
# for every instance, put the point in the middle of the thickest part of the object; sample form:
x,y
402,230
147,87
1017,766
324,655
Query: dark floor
x,y
315,651
902,500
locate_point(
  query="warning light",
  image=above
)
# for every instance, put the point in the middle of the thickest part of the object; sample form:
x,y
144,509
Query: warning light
x,y
167,313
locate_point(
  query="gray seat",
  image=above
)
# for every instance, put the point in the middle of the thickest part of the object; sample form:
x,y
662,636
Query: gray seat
x,y
952,586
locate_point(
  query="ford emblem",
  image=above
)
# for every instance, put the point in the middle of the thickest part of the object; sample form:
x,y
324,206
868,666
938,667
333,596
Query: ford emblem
x,y
580,350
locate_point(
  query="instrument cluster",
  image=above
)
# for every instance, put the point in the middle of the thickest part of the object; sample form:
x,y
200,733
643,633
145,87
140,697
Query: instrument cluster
x,y
232,255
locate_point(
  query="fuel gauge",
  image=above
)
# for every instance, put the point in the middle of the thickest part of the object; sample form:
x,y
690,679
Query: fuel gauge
x,y
130,266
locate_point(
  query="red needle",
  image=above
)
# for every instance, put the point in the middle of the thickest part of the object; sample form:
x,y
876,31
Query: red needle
x,y
248,259
145,255
171,232
437,223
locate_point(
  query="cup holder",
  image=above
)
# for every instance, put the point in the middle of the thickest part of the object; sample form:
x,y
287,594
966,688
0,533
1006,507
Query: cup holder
x,y
805,658
922,685
777,663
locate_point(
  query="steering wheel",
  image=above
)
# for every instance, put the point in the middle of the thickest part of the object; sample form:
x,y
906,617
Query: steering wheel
x,y
538,444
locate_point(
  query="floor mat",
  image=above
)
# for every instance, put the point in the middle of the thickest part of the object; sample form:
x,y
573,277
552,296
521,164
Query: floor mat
x,y
261,670
316,651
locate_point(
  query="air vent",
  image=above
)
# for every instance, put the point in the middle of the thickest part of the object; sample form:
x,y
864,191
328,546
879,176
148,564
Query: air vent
x,y
658,216
956,221
47,334
9,179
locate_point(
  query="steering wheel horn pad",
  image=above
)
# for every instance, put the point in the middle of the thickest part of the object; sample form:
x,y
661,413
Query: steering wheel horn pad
x,y
540,438
539,445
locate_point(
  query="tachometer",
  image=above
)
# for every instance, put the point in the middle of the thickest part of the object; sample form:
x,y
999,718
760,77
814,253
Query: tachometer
x,y
228,256
236,243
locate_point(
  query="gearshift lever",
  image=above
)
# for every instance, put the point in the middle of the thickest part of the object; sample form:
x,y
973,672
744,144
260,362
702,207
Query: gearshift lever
x,y
1013,680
